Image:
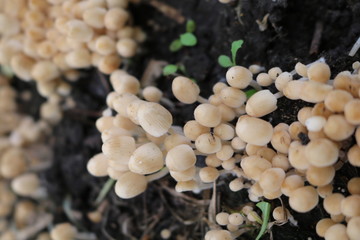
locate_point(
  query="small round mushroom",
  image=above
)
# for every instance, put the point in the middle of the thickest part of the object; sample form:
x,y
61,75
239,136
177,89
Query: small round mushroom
x,y
26,185
293,89
281,141
207,115
323,225
254,166
232,97
119,148
332,203
281,161
126,47
146,159
325,191
63,231
254,130
186,186
236,219
303,199
108,64
353,185
218,234
336,100
282,80
130,185
79,30
183,176
301,69
352,113
238,77
185,90
224,131
271,179
154,119
261,103
350,206
193,129
336,232
208,143
236,185
314,92
319,72
180,158
264,80
274,72
320,176
321,152
98,165
116,18
353,228
208,174
280,214
338,128
315,123
152,94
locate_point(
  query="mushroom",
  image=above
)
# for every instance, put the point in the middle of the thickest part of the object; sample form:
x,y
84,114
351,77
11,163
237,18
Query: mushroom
x,y
332,203
353,185
130,185
319,72
351,111
254,130
261,103
63,231
180,158
207,115
146,159
321,152
350,206
185,90
222,218
303,199
353,228
254,166
335,232
238,77
271,179
218,234
98,165
323,225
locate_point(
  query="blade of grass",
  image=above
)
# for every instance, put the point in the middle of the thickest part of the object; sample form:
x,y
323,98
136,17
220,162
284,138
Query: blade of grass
x,y
105,190
235,46
265,208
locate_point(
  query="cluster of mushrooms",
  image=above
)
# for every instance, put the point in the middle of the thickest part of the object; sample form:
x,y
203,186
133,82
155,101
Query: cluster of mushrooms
x,y
47,41
23,153
140,143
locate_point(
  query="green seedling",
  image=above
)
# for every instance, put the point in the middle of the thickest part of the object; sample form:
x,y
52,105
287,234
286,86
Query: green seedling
x,y
104,191
172,69
250,92
187,39
225,61
265,209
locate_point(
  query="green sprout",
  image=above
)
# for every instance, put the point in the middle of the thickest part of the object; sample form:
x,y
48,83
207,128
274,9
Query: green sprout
x,y
172,69
187,39
225,61
250,92
265,209
105,190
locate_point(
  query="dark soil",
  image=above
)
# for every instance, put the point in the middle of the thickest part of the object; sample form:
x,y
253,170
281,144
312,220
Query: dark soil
x,y
287,40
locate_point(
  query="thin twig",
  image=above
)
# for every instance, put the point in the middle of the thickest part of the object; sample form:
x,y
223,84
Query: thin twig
x,y
168,11
315,43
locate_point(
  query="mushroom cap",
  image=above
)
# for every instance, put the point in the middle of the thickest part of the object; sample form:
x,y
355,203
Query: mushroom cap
x,y
303,199
353,228
254,166
119,148
336,100
63,231
186,175
337,128
232,97
336,232
154,119
180,158
208,174
174,140
254,130
352,113
271,179
12,163
146,159
354,155
293,89
321,152
98,165
193,129
185,90
208,143
222,218
186,186
130,185
353,185
236,219
218,234
315,123
282,80
320,176
332,203
325,191
291,183
281,141
26,184
323,225
350,206
319,72
238,77
261,103
207,115
314,92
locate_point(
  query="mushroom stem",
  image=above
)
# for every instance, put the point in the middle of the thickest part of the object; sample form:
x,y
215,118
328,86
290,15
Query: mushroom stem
x,y
355,48
279,95
255,85
167,103
85,236
155,176
202,100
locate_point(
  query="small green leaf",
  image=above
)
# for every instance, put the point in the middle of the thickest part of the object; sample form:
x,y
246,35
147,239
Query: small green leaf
x,y
265,208
104,191
7,71
235,46
170,69
225,61
193,79
188,39
250,92
175,45
190,26
182,69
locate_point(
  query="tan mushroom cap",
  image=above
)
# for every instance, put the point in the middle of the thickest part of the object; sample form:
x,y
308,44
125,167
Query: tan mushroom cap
x,y
353,185
98,165
323,225
152,94
271,179
254,130
315,123
281,141
44,71
25,185
186,175
130,185
314,92
332,203
280,214
336,232
319,72
336,100
303,199
293,89
281,161
125,84
12,163
154,119
218,234
263,79
208,174
225,131
236,219
232,97
238,77
303,114
146,159
193,129
321,152
350,206
174,140
291,183
185,90
261,103
119,148
236,185
254,166
354,155
320,176
338,128
63,231
353,228
180,158
345,81
207,115
301,69
325,191
208,143
282,80
222,218
186,186
352,112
